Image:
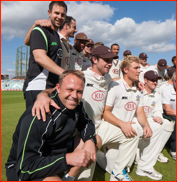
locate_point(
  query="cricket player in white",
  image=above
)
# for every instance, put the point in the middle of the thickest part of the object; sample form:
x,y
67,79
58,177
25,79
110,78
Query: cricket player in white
x,y
123,101
76,53
143,65
115,71
153,110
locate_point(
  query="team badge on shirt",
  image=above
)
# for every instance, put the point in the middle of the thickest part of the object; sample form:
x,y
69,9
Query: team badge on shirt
x,y
153,103
137,97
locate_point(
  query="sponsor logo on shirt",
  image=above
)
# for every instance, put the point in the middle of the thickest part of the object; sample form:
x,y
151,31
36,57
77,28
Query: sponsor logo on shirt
x,y
147,109
74,54
172,100
130,106
59,129
98,96
124,97
115,71
67,60
78,61
89,85
54,43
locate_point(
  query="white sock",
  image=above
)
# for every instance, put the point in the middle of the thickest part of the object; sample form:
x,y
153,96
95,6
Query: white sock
x,y
68,178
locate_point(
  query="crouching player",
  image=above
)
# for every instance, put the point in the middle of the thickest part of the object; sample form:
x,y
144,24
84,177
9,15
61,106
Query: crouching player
x,y
42,150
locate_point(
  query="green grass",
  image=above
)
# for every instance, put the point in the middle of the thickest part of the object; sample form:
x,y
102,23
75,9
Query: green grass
x,y
13,106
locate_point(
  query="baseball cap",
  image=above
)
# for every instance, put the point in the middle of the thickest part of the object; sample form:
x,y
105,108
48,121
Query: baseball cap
x,y
127,52
103,52
151,75
90,41
162,63
81,36
143,55
171,71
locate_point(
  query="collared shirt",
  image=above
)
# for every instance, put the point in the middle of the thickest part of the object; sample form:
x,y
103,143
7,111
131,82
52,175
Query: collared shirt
x,y
152,104
95,93
124,100
160,73
169,96
143,71
115,71
76,59
66,52
86,63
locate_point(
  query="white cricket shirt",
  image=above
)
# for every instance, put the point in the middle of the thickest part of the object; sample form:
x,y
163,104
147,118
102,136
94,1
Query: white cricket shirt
x,y
124,100
115,68
95,93
76,59
152,104
169,96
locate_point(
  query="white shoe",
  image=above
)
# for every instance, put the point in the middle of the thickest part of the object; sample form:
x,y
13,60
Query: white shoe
x,y
173,154
162,158
101,160
123,176
153,175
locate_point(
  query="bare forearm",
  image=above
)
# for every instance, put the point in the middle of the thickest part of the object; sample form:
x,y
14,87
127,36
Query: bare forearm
x,y
109,117
27,38
49,64
171,112
141,117
48,91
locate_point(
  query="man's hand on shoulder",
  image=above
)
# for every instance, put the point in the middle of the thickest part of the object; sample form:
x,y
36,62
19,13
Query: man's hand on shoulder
x,y
43,23
42,106
140,85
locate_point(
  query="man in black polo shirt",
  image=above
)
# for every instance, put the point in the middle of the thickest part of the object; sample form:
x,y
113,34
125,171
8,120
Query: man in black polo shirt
x,y
45,54
42,150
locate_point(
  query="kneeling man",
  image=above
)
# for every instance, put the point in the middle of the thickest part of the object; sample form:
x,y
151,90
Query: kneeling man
x,y
42,150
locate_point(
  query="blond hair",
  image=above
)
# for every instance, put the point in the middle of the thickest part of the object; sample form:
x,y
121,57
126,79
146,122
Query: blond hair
x,y
127,61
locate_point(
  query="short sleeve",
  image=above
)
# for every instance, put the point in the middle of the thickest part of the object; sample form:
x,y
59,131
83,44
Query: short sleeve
x,y
113,92
38,39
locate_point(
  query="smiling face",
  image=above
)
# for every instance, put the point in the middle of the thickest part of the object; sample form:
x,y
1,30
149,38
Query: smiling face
x,y
70,91
101,66
115,49
71,29
79,45
150,84
57,16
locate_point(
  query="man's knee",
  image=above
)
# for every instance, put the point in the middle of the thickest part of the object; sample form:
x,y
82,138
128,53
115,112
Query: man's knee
x,y
52,178
99,142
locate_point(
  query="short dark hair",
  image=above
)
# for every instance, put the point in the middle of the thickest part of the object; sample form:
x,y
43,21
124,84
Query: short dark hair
x,y
173,58
59,3
67,21
115,45
96,44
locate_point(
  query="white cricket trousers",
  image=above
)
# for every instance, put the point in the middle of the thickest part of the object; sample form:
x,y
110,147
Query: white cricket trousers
x,y
151,146
127,147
